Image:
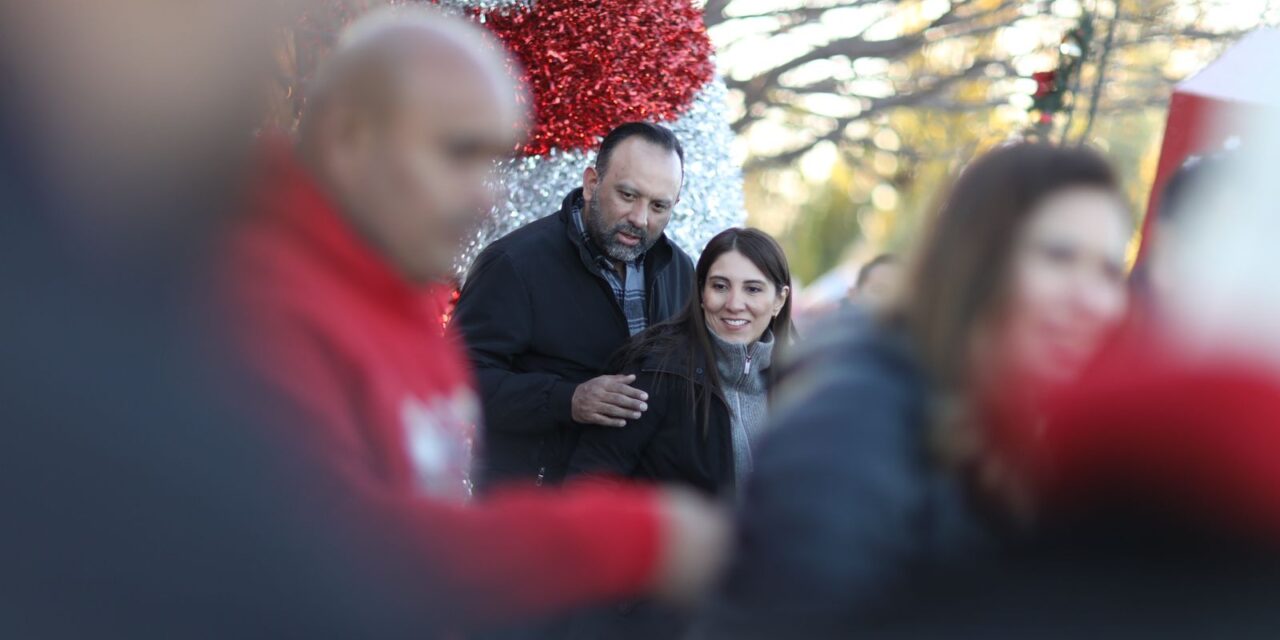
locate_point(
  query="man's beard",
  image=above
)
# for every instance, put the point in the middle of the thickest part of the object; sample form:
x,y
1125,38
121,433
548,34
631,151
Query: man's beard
x,y
606,238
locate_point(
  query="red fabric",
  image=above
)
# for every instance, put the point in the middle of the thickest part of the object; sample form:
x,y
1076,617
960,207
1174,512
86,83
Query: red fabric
x,y
358,352
1200,438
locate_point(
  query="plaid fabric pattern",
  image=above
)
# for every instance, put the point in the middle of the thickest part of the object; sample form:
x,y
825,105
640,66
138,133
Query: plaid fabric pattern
x,y
628,292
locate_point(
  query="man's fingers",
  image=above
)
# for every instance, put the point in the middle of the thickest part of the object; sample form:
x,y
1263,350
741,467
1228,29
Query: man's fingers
x,y
624,402
629,391
606,421
614,411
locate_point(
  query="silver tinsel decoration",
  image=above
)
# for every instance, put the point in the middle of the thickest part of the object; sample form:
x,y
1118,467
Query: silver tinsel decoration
x,y
710,202
484,5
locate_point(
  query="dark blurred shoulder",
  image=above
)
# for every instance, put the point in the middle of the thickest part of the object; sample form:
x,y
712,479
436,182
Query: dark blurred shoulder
x,y
846,340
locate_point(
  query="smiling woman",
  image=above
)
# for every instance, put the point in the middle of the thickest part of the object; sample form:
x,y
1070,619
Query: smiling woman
x,y
705,374
739,301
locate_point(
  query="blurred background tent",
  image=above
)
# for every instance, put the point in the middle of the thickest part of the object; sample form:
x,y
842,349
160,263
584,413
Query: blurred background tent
x,y
1209,111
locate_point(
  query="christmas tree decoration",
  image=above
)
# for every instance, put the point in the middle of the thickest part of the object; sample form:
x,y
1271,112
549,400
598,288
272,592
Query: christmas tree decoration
x,y
591,66
588,67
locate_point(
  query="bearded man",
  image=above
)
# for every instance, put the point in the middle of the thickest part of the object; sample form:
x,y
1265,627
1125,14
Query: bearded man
x,y
545,307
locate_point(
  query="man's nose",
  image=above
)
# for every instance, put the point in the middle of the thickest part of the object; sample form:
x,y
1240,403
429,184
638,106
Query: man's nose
x,y
638,215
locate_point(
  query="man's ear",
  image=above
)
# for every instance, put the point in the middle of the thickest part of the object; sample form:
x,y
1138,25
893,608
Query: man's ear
x,y
337,141
590,181
345,131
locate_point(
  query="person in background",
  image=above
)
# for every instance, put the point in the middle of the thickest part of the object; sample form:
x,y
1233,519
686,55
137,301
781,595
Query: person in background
x,y
707,371
332,273
873,468
878,282
544,308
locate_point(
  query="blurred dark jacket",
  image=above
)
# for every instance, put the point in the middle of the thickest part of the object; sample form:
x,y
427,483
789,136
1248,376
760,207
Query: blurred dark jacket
x,y
847,504
539,318
140,499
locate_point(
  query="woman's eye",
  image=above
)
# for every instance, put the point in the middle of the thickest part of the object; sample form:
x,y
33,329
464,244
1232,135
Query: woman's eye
x,y
754,289
1058,254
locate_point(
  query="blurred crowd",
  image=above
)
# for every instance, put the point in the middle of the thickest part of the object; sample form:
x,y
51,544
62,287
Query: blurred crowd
x,y
230,407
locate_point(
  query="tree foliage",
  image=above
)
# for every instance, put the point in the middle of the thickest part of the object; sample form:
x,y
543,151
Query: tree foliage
x,y
895,95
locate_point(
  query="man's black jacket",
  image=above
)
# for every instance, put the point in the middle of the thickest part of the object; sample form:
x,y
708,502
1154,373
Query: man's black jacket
x,y
539,318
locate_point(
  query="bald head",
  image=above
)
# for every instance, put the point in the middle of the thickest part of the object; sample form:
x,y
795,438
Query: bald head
x,y
381,56
403,125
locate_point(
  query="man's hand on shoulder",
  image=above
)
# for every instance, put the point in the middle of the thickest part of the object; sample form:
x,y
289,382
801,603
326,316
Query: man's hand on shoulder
x,y
609,401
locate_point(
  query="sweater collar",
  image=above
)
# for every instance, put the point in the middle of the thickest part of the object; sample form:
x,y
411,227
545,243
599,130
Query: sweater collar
x,y
743,362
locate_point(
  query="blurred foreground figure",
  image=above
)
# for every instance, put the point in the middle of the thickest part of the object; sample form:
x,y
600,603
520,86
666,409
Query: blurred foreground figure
x,y
872,471
1154,480
137,501
1184,412
333,273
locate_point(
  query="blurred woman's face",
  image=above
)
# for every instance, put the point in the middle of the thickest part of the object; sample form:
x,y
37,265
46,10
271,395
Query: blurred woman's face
x,y
1067,285
739,300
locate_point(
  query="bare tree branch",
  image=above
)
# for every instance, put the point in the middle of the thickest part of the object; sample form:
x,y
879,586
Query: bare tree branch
x,y
920,61
1101,74
926,97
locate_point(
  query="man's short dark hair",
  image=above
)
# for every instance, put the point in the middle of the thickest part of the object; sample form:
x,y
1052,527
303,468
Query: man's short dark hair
x,y
653,133
880,260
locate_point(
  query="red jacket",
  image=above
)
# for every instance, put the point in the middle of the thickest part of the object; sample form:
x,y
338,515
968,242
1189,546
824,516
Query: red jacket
x,y
359,353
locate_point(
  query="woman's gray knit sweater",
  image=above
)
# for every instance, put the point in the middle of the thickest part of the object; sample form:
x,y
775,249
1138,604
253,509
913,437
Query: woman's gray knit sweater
x,y
741,368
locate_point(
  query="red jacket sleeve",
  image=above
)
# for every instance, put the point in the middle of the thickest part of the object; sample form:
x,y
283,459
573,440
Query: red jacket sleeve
x,y
515,555
530,552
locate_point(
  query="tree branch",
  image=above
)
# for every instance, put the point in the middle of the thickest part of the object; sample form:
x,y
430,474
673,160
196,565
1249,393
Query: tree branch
x,y
1101,75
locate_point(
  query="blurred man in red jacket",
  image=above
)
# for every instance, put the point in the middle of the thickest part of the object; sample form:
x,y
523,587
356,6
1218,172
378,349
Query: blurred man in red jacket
x,y
334,271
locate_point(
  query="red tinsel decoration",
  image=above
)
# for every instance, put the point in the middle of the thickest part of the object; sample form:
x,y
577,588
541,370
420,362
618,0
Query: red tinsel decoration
x,y
593,65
